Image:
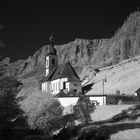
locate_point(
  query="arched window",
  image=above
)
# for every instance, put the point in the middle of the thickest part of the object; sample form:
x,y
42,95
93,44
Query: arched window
x,y
53,61
64,85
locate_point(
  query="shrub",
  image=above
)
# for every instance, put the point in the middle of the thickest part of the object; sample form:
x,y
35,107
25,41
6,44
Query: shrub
x,y
43,111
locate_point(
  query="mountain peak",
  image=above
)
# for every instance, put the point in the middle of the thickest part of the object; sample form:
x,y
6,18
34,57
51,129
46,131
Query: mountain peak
x,y
132,24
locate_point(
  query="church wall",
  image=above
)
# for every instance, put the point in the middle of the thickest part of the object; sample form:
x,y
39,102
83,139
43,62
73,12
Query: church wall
x,y
55,86
62,80
58,84
76,86
47,65
44,86
51,64
47,61
68,86
47,72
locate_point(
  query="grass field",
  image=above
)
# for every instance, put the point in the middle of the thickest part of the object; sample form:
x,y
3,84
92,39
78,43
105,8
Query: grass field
x,y
124,77
105,112
120,122
132,134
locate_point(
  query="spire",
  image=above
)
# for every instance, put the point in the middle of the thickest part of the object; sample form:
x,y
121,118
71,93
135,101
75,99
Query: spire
x,y
51,49
51,40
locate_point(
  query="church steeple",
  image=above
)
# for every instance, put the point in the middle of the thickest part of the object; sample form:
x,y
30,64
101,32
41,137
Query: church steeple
x,y
51,49
51,57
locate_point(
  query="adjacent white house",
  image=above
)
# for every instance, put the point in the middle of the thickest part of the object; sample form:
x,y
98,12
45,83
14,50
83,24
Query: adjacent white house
x,y
59,77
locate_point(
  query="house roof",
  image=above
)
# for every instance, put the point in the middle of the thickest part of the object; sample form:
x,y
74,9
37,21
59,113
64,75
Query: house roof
x,y
138,91
60,94
63,71
72,93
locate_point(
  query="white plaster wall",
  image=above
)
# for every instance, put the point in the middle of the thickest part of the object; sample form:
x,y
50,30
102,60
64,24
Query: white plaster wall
x,y
48,87
47,61
68,86
68,101
51,66
47,71
101,99
44,86
47,65
61,82
53,86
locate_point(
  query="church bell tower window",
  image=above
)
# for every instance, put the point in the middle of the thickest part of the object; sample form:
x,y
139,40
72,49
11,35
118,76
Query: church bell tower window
x,y
53,61
64,85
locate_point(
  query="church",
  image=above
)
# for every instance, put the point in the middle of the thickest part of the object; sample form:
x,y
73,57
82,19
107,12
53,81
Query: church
x,y
59,80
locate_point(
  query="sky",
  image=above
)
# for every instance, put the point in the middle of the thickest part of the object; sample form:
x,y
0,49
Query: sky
x,y
25,27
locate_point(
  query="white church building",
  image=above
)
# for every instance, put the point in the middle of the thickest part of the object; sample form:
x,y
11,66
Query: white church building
x,y
59,79
62,81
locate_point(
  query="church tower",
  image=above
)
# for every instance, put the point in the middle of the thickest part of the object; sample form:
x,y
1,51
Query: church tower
x,y
51,57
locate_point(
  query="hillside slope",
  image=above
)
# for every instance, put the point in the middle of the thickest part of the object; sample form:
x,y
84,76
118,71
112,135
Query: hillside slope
x,y
124,77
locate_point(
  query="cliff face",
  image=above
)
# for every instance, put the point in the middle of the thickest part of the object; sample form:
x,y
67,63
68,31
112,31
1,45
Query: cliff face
x,y
84,55
79,52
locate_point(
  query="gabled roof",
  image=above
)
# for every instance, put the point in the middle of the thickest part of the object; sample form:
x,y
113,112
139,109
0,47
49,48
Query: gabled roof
x,y
66,71
138,91
60,94
63,71
72,93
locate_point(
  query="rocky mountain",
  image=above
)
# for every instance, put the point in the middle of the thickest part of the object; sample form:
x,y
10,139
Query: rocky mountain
x,y
84,55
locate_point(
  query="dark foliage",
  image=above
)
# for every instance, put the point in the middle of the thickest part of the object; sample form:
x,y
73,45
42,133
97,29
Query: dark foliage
x,y
67,133
93,133
9,108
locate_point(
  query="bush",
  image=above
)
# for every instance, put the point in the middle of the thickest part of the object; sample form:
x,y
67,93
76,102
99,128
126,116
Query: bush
x,y
43,111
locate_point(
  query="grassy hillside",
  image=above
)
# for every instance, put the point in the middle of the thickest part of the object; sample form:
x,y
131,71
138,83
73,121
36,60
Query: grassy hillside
x,y
106,112
124,76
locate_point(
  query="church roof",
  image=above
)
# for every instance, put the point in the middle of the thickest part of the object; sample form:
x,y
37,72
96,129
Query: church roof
x,y
63,71
48,78
66,71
